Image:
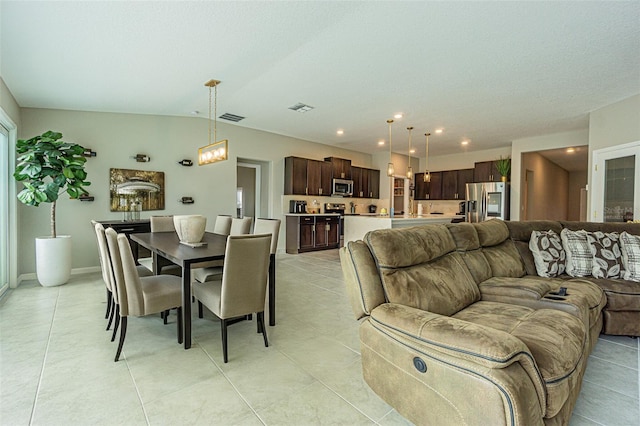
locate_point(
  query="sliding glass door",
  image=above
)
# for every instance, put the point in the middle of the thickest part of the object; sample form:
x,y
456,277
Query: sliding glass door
x,y
4,209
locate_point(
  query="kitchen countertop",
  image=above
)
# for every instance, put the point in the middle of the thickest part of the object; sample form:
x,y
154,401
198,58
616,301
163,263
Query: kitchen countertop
x,y
311,214
355,227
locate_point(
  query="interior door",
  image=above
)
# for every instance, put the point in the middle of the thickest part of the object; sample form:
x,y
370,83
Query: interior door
x,y
615,195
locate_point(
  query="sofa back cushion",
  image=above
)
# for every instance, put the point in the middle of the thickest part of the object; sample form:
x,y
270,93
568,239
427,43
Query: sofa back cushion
x,y
520,234
500,251
468,245
419,267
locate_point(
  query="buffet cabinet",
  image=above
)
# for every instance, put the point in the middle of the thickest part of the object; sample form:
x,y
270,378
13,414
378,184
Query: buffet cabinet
x,y
312,232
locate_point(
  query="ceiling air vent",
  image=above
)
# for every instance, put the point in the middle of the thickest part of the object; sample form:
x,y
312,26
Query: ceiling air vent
x,y
300,107
231,117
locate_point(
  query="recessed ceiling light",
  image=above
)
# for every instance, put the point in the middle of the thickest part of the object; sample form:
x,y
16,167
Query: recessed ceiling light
x,y
340,132
464,143
380,142
412,151
398,115
571,150
439,130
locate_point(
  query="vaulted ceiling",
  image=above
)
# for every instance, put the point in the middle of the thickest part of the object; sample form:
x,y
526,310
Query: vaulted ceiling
x,y
487,72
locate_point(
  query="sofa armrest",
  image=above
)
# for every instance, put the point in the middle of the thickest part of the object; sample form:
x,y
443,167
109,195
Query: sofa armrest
x,y
475,346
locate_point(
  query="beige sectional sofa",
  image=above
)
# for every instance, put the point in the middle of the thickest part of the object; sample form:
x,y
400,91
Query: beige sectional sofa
x,y
459,329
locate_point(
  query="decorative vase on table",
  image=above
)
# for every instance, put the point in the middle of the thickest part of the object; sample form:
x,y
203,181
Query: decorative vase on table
x,y
190,228
503,178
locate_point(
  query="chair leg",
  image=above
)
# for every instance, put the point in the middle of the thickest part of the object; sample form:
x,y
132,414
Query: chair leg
x,y
112,311
200,310
260,316
272,290
109,297
166,316
223,324
123,333
115,327
179,314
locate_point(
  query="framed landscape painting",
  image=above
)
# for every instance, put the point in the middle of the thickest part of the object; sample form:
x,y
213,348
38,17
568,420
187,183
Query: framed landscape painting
x,y
141,188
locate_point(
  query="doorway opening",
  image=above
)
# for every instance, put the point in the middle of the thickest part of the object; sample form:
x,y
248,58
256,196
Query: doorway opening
x,y
253,187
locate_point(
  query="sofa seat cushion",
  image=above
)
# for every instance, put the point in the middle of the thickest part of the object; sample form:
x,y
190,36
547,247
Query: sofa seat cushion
x,y
557,340
584,299
621,295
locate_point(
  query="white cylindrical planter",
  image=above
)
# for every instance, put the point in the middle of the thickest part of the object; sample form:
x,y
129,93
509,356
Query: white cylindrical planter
x,y
53,260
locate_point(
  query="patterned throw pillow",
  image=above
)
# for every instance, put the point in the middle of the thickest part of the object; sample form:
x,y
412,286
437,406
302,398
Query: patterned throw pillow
x,y
630,245
579,257
548,254
607,256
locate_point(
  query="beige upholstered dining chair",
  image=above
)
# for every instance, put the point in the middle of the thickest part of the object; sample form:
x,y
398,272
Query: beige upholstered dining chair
x,y
243,284
138,296
237,227
222,225
240,226
163,224
107,272
270,226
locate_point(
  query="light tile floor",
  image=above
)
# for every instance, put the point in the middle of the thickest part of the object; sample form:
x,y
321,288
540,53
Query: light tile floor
x,y
56,365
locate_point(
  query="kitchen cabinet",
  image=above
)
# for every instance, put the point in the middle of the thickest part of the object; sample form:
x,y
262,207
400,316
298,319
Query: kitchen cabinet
x,y
366,182
486,171
428,190
312,232
295,176
318,178
341,168
374,183
454,183
306,177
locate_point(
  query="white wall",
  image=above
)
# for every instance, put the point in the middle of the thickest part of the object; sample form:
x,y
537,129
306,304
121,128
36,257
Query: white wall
x,y
537,143
613,125
118,137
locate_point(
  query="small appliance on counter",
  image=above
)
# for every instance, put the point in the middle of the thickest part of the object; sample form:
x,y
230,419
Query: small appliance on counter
x,y
372,208
462,208
297,206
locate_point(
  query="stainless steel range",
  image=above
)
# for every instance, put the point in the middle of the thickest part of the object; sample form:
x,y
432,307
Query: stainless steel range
x,y
337,208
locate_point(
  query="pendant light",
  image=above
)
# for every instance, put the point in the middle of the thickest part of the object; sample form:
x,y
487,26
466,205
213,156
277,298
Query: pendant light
x,y
216,151
409,168
390,169
427,175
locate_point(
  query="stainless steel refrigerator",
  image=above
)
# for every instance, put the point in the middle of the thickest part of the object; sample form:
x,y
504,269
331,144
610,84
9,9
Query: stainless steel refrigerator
x,y
487,200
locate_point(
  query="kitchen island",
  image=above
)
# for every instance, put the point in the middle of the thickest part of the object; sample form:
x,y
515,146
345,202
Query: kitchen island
x,y
355,227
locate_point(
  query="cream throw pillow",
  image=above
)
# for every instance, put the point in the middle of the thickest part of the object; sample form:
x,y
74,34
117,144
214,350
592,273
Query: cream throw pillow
x,y
630,245
578,250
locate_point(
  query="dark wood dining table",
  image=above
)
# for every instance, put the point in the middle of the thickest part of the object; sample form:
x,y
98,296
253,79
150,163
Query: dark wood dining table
x,y
167,245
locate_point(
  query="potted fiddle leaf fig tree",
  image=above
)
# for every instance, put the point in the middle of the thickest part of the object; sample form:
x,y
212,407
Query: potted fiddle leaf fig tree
x,y
48,167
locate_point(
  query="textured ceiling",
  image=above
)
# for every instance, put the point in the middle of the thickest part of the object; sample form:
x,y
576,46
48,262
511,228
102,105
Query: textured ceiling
x,y
490,72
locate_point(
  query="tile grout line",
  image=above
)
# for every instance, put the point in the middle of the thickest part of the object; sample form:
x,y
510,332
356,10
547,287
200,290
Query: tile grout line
x,y
135,385
229,381
44,359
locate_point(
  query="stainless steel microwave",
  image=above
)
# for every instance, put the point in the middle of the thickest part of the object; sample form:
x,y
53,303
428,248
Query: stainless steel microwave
x,y
342,188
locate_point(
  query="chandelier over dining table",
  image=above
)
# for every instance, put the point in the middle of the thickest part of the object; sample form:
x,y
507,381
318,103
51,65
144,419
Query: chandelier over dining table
x,y
218,150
